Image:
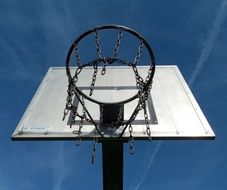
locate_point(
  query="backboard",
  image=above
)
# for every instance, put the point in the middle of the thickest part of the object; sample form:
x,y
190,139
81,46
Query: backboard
x,y
172,109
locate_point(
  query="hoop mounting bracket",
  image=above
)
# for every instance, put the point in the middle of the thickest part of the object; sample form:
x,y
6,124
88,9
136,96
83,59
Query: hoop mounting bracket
x,y
111,115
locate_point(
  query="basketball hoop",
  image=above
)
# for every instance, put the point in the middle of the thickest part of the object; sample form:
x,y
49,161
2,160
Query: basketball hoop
x,y
102,62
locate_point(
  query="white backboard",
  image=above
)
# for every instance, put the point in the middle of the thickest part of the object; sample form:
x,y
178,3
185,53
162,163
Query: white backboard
x,y
173,111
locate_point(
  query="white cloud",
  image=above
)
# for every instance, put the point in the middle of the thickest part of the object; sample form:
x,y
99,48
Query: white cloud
x,y
221,13
213,34
58,167
150,163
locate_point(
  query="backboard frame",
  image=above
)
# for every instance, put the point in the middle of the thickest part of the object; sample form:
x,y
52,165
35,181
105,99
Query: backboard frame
x,y
41,134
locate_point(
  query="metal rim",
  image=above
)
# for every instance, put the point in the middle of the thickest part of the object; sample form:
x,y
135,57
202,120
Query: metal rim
x,y
115,27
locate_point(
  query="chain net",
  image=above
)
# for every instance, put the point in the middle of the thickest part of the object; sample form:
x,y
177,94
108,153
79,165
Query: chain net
x,y
143,86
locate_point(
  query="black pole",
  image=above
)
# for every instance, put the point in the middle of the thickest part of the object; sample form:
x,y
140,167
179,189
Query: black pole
x,y
111,117
112,156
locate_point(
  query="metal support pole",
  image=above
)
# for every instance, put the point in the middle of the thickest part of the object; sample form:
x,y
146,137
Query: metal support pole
x,y
112,156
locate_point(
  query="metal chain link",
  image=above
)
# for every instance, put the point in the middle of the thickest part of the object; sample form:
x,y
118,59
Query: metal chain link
x,y
76,50
139,79
148,130
82,119
75,77
98,48
65,113
93,156
131,140
93,80
117,45
69,104
133,116
103,72
138,53
149,73
78,141
83,115
83,108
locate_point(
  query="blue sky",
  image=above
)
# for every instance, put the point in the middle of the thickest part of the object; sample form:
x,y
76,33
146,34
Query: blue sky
x,y
35,35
